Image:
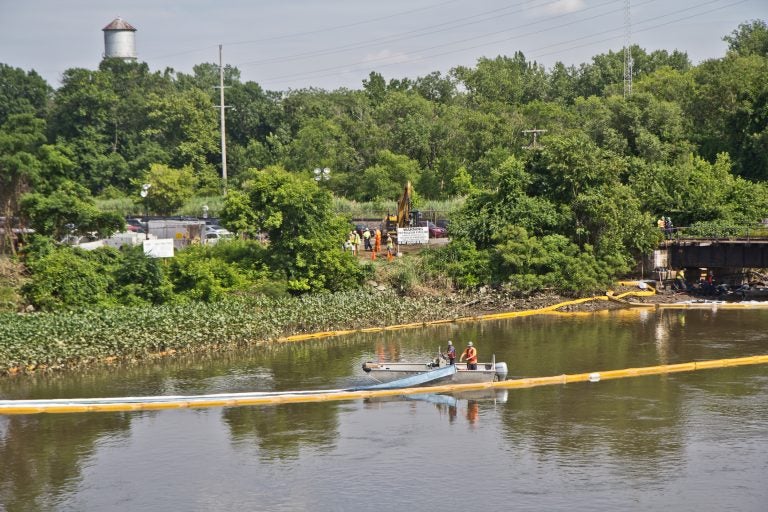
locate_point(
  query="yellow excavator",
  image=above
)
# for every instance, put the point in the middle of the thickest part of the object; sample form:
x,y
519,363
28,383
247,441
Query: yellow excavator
x,y
404,216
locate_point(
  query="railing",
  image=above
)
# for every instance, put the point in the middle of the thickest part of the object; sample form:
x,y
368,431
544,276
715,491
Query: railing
x,y
717,232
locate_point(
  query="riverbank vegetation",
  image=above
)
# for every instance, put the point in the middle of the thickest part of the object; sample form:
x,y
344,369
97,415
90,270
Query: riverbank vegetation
x,y
568,211
73,338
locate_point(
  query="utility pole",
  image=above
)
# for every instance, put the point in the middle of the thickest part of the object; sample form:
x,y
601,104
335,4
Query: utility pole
x,y
627,50
535,133
222,107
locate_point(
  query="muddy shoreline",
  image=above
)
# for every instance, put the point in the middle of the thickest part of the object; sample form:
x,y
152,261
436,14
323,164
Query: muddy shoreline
x,y
492,301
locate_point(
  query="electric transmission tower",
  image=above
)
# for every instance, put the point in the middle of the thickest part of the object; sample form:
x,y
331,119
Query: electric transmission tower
x,y
627,50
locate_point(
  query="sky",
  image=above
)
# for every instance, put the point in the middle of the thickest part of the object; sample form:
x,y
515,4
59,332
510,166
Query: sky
x,y
331,44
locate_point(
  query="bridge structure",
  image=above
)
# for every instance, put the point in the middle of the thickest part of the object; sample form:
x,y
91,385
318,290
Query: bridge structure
x,y
717,253
731,254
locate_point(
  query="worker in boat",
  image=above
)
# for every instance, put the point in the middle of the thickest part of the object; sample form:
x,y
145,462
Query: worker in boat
x,y
450,353
470,353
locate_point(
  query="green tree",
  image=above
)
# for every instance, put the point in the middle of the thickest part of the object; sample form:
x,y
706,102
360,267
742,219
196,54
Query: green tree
x,y
695,191
139,279
197,274
65,279
187,123
375,87
304,233
605,74
749,39
387,178
68,210
407,120
436,88
170,188
21,137
320,143
22,93
730,112
506,80
238,215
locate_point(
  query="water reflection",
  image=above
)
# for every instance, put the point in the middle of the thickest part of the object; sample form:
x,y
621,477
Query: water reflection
x,y
281,432
465,403
636,430
42,455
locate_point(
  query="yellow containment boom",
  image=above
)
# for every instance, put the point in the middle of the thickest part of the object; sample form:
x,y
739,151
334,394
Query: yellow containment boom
x,y
276,398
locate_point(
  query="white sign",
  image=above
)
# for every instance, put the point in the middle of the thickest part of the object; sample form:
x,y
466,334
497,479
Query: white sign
x,y
160,248
407,236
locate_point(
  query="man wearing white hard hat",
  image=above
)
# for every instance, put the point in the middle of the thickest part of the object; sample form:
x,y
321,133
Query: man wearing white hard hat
x,y
450,353
471,354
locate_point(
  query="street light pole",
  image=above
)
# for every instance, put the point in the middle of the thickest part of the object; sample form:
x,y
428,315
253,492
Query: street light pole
x,y
144,194
323,174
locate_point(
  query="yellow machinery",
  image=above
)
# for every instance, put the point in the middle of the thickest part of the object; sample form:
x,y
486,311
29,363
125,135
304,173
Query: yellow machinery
x,y
403,217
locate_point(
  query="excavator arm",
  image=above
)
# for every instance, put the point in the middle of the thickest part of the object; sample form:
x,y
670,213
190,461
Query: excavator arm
x,y
404,207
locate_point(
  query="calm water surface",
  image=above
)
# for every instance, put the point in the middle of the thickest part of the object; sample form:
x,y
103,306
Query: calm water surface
x,y
691,441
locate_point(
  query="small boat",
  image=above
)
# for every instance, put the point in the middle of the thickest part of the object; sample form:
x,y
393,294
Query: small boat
x,y
486,372
434,375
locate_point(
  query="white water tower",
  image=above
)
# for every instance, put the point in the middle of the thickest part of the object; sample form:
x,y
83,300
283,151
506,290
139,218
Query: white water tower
x,y
119,40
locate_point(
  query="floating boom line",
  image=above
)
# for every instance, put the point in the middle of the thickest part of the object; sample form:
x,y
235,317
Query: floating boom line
x,y
328,395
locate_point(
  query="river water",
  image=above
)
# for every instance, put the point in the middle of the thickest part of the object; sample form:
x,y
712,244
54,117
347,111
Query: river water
x,y
694,441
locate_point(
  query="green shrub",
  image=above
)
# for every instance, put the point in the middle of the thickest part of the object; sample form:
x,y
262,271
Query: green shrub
x,y
466,266
139,279
196,276
66,280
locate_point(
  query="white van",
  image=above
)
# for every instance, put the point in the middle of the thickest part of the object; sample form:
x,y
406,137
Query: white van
x,y
214,237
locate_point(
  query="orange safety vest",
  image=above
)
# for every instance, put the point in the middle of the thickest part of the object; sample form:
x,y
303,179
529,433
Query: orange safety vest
x,y
471,354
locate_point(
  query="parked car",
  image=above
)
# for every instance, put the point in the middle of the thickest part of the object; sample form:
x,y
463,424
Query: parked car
x,y
216,237
135,225
434,230
215,228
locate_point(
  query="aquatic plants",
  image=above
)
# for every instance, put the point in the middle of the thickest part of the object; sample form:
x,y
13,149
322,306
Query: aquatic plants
x,y
67,339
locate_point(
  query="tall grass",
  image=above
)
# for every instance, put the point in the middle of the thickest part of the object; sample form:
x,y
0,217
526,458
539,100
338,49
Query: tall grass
x,y
193,207
379,208
127,207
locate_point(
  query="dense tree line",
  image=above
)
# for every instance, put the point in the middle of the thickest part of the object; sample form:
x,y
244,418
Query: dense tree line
x,y
691,142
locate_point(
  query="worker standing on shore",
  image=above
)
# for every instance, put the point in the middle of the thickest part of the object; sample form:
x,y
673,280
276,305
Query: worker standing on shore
x,y
470,353
390,248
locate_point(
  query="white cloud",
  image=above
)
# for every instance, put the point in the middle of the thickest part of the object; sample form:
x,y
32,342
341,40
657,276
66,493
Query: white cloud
x,y
387,57
564,7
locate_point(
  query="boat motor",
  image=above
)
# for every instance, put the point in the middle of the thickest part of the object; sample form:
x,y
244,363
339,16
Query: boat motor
x,y
501,371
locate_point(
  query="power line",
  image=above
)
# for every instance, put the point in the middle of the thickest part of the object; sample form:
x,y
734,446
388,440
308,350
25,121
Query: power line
x,y
493,14
497,41
333,70
627,50
449,25
636,30
311,32
338,27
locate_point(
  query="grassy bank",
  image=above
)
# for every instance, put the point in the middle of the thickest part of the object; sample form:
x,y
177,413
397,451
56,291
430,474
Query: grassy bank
x,y
66,340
